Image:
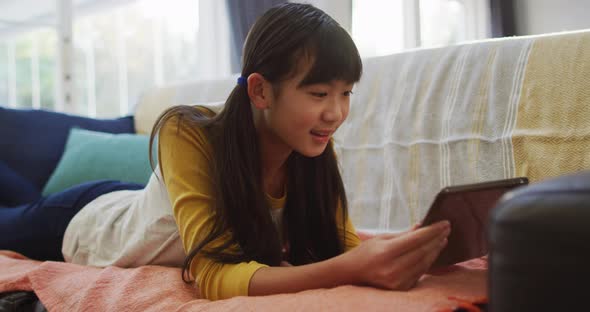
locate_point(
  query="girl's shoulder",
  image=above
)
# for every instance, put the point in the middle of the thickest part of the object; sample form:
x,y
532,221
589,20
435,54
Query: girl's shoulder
x,y
188,126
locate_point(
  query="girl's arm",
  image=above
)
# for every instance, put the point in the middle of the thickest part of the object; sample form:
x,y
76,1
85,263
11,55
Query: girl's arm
x,y
185,158
390,261
325,274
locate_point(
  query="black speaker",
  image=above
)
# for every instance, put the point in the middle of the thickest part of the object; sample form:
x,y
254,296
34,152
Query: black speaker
x,y
539,240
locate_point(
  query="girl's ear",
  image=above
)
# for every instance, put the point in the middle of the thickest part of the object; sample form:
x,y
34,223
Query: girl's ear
x,y
259,91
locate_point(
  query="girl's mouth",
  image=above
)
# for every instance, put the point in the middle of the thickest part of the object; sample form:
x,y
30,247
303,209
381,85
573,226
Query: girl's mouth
x,y
321,136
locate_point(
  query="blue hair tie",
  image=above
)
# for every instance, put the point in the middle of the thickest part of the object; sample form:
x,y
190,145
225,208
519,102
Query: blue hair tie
x,y
242,81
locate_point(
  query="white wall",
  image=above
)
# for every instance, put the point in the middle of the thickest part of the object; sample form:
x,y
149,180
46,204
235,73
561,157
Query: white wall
x,y
545,16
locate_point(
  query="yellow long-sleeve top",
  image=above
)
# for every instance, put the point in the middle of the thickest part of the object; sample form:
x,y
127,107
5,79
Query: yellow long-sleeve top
x,y
185,155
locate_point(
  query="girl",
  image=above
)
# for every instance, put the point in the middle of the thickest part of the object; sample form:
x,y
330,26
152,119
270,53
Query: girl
x,y
249,201
257,187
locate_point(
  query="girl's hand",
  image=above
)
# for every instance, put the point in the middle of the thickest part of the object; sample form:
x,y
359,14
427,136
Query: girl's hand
x,y
397,261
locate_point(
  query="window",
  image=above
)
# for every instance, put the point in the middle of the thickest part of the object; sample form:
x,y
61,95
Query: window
x,y
120,53
442,22
119,50
95,57
378,26
381,27
27,54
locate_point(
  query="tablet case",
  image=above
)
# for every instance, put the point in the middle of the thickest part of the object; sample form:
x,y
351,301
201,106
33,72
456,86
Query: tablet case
x,y
467,208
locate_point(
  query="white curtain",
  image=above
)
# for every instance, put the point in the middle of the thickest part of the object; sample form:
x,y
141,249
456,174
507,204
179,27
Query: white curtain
x,y
120,50
213,40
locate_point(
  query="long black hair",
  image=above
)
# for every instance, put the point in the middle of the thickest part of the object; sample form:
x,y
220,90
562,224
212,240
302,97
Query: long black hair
x,y
274,48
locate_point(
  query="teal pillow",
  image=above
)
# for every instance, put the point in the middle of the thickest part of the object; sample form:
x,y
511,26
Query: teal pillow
x,y
91,155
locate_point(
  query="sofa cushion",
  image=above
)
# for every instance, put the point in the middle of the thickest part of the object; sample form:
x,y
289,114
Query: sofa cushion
x,y
14,189
91,155
210,93
32,141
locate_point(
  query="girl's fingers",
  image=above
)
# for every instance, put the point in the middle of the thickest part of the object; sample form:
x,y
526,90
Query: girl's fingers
x,y
388,235
392,235
420,258
412,265
418,238
285,264
428,261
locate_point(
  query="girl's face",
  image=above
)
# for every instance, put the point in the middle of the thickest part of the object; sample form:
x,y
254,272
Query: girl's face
x,y
304,118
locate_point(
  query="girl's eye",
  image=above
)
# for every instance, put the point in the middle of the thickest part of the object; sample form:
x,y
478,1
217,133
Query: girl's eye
x,y
319,94
348,93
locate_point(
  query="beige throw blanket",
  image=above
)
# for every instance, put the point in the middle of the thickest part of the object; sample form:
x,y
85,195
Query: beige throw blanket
x,y
427,119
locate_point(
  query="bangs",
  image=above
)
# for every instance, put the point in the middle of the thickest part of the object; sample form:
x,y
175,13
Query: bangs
x,y
334,56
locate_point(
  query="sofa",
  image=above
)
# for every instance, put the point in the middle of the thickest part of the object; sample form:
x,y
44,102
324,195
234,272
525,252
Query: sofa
x,y
429,118
420,120
32,144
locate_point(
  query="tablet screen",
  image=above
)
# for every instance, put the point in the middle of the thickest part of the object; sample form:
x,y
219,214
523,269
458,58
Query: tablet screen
x,y
467,208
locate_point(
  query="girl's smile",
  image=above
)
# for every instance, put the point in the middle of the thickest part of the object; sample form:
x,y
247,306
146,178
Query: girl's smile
x,y
322,136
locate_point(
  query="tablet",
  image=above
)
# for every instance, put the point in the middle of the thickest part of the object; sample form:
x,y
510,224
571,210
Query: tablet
x,y
467,208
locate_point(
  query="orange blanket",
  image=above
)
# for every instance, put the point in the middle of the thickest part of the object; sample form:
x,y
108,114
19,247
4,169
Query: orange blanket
x,y
69,287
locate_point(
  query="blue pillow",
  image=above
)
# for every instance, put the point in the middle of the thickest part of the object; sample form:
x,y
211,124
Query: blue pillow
x,y
14,189
32,141
91,156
